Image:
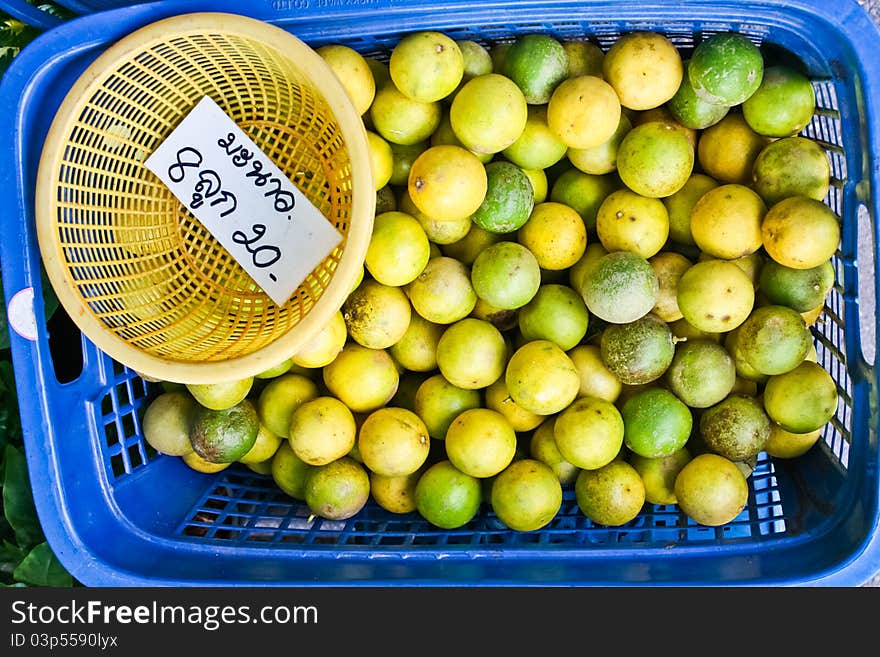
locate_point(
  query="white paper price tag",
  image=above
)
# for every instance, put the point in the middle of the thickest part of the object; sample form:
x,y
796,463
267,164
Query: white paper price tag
x,y
265,222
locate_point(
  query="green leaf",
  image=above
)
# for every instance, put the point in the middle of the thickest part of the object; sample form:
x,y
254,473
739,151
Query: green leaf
x,y
42,568
10,556
18,501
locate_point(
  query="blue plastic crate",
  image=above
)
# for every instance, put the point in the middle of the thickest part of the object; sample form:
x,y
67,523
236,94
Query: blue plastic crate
x,y
118,514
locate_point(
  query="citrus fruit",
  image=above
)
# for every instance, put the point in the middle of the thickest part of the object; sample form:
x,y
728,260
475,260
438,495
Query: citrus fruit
x,y
556,313
376,315
715,296
500,318
395,494
278,369
727,150
658,474
800,232
508,201
577,273
526,495
197,463
480,442
601,159
362,378
584,192
744,369
402,157
541,378
692,110
669,267
263,449
657,423
381,159
537,147
393,441
506,274
679,206
784,444
726,221
555,234
726,68
621,287
497,398
791,166
628,221
337,490
655,159
583,112
402,120
444,135
447,182
447,497
639,351
539,183
438,403
644,68
289,471
471,353
596,379
589,432
711,490
280,397
800,289
537,63
322,430
612,495
426,65
166,422
225,435
353,72
584,57
736,427
443,292
222,394
543,448
437,231
416,351
488,113
684,330
782,105
663,116
802,400
466,249
324,345
701,373
774,339
477,60
398,250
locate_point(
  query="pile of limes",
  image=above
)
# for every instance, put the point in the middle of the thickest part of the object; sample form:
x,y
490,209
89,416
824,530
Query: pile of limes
x,y
589,268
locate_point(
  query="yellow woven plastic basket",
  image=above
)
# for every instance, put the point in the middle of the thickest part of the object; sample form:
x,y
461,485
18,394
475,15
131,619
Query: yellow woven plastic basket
x,y
135,270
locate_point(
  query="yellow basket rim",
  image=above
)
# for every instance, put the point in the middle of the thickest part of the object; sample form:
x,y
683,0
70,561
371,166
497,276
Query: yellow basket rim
x,y
357,238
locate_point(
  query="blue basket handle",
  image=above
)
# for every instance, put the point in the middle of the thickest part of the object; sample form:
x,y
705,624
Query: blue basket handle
x,y
30,14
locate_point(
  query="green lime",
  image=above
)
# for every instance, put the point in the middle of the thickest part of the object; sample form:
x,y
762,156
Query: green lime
x,y
556,313
447,497
426,66
584,192
692,110
471,353
488,113
657,422
726,68
526,495
783,105
655,159
221,395
639,351
443,292
224,436
506,274
791,166
543,447
601,159
337,490
167,420
701,373
774,339
509,199
438,402
658,474
537,63
611,495
679,205
800,289
801,400
402,120
289,472
621,287
537,147
737,427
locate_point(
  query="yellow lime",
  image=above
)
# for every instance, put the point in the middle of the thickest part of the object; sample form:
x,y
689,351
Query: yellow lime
x,y
376,315
322,430
443,292
363,379
498,399
480,442
628,221
447,182
353,72
280,397
555,234
584,112
402,120
325,345
644,68
426,65
488,113
264,448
